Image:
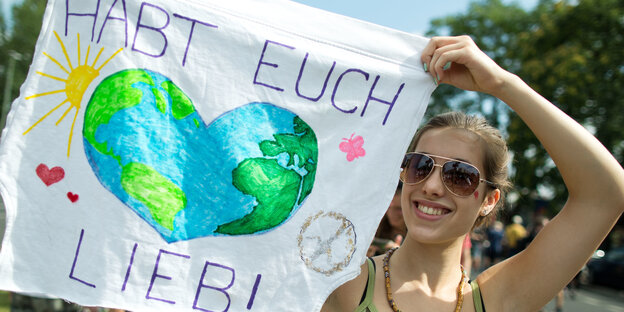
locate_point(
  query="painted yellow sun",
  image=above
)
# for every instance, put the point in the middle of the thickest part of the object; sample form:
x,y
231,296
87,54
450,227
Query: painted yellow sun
x,y
77,81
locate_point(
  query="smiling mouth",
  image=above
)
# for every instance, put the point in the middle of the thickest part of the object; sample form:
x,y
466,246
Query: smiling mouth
x,y
432,211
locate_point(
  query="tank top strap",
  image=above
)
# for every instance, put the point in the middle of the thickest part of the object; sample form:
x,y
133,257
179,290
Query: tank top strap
x,y
477,297
367,304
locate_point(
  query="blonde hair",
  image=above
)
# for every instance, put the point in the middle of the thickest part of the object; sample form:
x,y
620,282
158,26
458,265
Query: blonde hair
x,y
496,153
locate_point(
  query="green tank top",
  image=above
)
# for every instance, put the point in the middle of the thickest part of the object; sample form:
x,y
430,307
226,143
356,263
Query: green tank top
x,y
367,304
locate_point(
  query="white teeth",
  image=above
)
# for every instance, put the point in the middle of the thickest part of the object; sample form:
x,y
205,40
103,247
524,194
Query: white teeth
x,y
430,210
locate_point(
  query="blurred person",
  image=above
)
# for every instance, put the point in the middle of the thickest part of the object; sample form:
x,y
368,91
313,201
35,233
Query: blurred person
x,y
539,224
372,251
514,233
392,228
494,249
477,238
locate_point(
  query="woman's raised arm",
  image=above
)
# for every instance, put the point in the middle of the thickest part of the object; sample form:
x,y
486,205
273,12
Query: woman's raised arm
x,y
594,179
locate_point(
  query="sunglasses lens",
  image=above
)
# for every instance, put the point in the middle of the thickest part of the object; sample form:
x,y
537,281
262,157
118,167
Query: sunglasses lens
x,y
416,167
461,178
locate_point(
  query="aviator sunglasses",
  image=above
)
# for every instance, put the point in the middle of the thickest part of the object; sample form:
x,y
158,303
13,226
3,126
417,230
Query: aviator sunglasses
x,y
459,177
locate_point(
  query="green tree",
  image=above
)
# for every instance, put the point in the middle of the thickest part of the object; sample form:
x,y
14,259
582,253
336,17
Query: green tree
x,y
574,58
571,53
18,43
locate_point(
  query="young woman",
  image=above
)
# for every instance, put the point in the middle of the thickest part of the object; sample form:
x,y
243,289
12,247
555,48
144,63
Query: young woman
x,y
455,176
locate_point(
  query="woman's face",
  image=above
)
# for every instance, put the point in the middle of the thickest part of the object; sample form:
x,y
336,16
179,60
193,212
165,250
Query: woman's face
x,y
432,213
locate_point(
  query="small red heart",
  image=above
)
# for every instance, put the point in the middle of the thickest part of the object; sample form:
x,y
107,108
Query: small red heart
x,y
72,197
50,176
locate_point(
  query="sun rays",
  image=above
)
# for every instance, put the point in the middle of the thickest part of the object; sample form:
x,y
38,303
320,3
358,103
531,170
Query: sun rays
x,y
77,81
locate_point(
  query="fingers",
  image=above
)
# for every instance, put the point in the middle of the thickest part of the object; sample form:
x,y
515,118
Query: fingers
x,y
441,52
443,58
437,42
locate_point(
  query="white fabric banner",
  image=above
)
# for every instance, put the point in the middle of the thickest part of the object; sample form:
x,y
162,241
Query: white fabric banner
x,y
203,155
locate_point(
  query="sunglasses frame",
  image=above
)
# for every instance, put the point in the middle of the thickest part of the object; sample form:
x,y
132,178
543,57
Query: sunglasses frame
x,y
447,160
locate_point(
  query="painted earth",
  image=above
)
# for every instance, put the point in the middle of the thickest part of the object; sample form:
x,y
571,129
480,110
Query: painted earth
x,y
245,172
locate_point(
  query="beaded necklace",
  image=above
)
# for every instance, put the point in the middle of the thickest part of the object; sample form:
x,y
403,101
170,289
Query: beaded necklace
x,y
392,303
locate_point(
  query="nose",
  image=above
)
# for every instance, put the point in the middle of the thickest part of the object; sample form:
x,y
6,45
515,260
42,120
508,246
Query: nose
x,y
433,184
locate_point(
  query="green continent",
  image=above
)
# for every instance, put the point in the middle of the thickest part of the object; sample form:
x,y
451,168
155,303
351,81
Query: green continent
x,y
303,146
161,101
112,95
274,187
163,198
277,189
181,105
117,92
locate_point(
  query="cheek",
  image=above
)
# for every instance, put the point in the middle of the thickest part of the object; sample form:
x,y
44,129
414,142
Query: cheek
x,y
476,194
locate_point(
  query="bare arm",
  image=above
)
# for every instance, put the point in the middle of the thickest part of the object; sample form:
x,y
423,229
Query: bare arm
x,y
594,179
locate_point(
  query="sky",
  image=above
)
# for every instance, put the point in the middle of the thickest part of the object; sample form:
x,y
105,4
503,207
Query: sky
x,y
411,16
407,15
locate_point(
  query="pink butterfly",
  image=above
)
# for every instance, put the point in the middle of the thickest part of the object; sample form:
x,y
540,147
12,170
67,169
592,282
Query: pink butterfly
x,y
353,147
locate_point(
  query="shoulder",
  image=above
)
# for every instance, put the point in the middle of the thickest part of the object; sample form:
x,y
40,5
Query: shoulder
x,y
347,296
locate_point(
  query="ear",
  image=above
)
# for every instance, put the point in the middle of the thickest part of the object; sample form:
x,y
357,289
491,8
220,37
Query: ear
x,y
489,202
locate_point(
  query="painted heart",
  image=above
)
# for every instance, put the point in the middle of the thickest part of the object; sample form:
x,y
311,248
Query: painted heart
x,y
246,172
50,176
72,197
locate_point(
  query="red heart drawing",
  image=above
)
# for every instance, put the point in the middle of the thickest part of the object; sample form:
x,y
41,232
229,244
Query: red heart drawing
x,y
50,176
72,197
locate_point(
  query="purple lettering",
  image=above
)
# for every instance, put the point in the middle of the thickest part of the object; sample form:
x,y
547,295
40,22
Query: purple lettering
x,y
156,29
261,62
391,104
155,275
333,98
123,288
193,22
253,292
71,273
94,15
222,290
324,84
109,17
